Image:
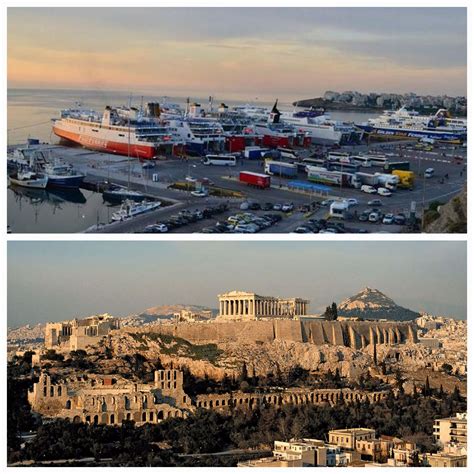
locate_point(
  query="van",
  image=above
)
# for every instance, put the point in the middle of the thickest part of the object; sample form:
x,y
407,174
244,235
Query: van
x,y
368,189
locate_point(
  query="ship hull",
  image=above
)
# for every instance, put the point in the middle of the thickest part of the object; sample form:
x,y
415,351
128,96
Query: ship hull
x,y
404,133
109,146
69,182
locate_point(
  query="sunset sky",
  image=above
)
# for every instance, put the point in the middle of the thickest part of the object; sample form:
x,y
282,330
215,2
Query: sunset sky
x,y
128,277
239,52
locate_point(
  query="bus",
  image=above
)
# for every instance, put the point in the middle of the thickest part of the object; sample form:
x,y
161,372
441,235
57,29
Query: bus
x,y
220,160
339,156
378,160
363,160
288,153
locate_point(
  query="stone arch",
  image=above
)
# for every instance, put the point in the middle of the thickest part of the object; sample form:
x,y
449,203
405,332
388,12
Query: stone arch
x,y
104,418
129,416
112,419
144,416
96,419
68,405
160,415
104,406
217,403
210,403
51,391
150,416
60,391
126,402
88,419
176,414
76,419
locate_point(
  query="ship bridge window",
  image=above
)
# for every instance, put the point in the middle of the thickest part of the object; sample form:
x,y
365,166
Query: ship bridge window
x,y
121,135
94,130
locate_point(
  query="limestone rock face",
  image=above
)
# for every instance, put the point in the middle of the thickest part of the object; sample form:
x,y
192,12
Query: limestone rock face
x,y
373,304
452,216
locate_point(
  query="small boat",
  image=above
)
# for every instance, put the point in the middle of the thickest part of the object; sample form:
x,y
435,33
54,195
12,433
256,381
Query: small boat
x,y
131,209
117,193
29,179
62,175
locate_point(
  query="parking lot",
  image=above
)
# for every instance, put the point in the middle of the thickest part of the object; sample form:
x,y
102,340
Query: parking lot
x,y
448,179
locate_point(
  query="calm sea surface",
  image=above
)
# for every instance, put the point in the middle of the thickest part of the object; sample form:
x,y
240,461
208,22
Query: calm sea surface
x,y
29,116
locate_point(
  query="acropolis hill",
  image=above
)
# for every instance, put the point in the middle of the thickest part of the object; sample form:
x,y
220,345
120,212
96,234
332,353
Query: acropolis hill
x,y
245,317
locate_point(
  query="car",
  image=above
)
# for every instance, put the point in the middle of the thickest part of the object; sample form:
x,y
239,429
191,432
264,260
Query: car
x,y
287,207
368,189
244,206
254,206
364,216
199,193
400,219
268,206
384,192
155,228
328,231
375,202
327,202
375,216
429,172
388,219
148,165
277,207
302,230
352,202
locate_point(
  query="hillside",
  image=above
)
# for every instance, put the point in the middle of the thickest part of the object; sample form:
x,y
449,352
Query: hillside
x,y
373,304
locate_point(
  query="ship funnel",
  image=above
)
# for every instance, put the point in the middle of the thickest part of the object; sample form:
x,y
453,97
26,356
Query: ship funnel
x,y
275,114
106,117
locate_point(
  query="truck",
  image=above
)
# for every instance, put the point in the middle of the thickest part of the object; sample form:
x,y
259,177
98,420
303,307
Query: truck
x,y
339,209
367,178
255,179
254,152
388,181
276,168
397,165
333,178
343,166
407,178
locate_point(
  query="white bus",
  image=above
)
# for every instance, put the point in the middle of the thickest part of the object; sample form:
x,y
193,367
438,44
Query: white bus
x,y
220,160
288,153
378,160
339,156
362,160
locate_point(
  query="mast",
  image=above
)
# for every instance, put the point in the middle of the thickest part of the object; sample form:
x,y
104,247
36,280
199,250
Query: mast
x,y
128,147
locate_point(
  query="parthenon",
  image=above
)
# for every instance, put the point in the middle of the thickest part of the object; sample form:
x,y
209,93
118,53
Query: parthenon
x,y
241,305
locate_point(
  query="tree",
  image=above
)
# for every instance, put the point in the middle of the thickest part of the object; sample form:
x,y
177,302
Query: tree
x,y
244,375
330,313
427,388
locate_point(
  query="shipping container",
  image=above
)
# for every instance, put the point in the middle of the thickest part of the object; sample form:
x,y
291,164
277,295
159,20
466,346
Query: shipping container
x,y
281,169
255,179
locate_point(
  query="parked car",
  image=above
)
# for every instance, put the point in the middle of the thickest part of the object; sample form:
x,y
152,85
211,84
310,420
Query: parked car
x,y
268,206
352,202
388,219
368,189
375,216
400,219
375,202
244,206
199,193
287,207
277,207
364,216
384,192
327,202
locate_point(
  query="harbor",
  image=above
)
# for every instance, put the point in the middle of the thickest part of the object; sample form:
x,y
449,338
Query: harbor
x,y
142,161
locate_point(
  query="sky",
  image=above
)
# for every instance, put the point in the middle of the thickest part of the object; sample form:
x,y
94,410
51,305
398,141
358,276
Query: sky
x,y
53,281
240,52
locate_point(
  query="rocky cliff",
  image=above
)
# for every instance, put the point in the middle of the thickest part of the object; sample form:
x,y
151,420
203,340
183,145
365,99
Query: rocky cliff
x,y
450,218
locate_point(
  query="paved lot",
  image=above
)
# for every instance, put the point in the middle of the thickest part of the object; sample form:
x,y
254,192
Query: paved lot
x,y
118,169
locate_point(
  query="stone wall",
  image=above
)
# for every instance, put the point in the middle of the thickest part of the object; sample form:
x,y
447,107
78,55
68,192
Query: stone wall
x,y
354,334
106,400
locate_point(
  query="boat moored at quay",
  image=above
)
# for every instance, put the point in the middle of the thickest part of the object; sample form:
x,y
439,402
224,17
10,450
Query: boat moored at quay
x,y
120,130
403,123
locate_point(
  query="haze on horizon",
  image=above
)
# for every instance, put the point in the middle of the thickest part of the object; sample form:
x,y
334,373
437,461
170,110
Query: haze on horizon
x,y
53,281
240,53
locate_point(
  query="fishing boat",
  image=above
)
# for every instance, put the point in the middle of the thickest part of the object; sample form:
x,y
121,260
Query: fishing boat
x,y
29,179
62,175
130,209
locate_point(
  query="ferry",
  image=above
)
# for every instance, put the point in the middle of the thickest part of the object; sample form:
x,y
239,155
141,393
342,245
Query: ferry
x,y
320,127
121,130
403,123
200,134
